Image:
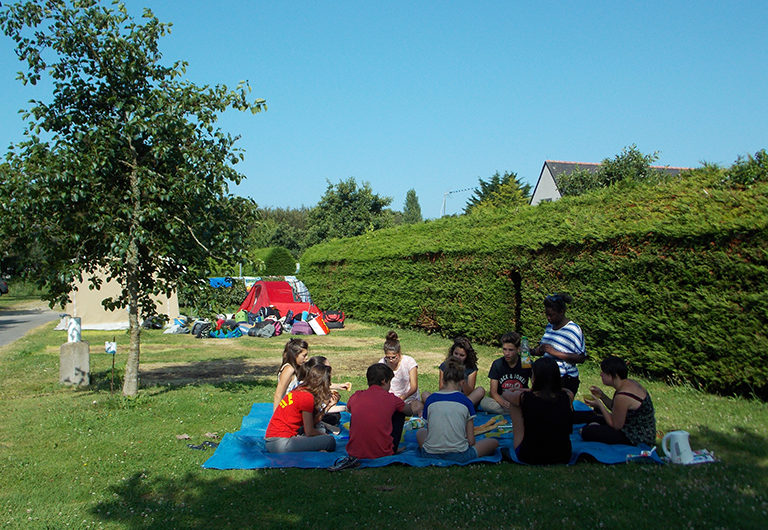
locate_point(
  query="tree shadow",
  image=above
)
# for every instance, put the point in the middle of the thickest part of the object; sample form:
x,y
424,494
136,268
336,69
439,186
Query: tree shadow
x,y
740,447
191,501
232,374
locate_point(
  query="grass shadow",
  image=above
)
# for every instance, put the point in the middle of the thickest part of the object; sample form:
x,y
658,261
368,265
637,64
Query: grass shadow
x,y
192,501
267,498
231,374
742,446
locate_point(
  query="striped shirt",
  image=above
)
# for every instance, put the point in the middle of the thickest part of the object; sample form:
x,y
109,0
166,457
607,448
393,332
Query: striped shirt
x,y
568,339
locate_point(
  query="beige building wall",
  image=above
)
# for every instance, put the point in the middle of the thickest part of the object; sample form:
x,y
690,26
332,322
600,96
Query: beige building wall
x,y
86,304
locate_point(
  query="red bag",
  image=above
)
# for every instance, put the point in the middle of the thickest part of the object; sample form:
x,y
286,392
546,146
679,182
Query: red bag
x,y
334,319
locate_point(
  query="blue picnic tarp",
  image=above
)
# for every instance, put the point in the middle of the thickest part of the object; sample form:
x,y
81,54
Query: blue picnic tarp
x,y
244,449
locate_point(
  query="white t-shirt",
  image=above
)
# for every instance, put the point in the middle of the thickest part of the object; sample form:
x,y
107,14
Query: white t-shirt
x,y
293,383
401,383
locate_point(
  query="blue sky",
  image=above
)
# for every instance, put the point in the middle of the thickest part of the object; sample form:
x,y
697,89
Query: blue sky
x,y
434,95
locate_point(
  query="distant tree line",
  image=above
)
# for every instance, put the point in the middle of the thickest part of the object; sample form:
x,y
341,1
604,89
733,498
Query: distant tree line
x,y
348,208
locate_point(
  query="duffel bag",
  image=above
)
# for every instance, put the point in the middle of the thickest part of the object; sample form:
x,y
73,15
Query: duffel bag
x,y
334,319
266,331
301,328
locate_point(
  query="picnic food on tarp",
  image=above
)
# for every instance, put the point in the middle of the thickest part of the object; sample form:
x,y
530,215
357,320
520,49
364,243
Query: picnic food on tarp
x,y
490,425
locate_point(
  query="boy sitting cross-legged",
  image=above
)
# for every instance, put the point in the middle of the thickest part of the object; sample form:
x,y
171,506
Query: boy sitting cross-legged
x,y
377,419
450,432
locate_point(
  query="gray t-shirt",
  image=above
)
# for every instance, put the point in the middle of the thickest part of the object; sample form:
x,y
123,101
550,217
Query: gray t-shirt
x,y
447,414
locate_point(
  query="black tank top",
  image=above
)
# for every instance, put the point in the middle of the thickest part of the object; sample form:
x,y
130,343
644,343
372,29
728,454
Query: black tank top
x,y
548,427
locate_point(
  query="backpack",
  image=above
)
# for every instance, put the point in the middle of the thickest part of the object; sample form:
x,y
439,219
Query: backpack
x,y
301,328
334,319
265,311
202,329
265,331
257,326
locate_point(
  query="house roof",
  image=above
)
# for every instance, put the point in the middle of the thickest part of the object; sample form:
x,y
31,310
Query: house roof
x,y
557,167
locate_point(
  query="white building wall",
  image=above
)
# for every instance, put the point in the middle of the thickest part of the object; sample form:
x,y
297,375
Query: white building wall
x,y
546,189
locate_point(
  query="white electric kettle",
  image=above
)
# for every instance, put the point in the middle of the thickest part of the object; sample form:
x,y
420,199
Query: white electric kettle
x,y
676,447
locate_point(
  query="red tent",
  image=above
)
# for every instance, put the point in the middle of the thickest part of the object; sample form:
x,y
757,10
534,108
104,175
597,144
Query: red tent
x,y
279,294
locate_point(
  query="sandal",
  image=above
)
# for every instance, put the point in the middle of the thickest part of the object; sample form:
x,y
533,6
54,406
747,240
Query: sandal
x,y
346,462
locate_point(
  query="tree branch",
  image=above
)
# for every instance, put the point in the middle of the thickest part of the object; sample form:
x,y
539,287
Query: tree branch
x,y
192,233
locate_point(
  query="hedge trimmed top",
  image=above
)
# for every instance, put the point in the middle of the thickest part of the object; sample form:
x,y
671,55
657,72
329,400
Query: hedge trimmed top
x,y
696,203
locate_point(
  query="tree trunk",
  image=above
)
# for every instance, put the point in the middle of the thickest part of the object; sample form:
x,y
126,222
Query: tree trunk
x,y
131,381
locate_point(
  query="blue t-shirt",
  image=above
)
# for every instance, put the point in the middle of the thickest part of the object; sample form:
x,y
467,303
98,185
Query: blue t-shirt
x,y
467,370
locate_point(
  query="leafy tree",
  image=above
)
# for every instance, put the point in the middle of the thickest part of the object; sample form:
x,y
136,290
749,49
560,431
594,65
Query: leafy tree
x,y
499,192
280,227
578,181
346,210
629,165
124,170
748,171
412,209
237,213
391,217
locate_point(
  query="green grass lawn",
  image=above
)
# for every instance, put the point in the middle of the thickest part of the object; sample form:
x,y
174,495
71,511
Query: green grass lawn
x,y
86,458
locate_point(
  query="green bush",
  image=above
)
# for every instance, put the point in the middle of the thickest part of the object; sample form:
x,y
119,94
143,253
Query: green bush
x,y
629,166
279,262
275,261
204,301
672,275
748,171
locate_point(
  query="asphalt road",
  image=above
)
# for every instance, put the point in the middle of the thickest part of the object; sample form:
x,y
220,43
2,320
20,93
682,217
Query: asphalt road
x,y
15,324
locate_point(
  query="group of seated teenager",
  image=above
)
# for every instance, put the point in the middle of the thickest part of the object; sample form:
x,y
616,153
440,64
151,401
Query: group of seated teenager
x,y
305,406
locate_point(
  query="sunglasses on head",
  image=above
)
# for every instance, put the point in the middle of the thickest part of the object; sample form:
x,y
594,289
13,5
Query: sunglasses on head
x,y
554,298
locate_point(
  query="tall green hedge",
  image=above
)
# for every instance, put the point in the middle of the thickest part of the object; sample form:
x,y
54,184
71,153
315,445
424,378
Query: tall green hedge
x,y
673,276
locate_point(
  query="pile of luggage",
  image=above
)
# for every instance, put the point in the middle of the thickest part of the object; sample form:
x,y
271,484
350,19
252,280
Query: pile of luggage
x,y
267,322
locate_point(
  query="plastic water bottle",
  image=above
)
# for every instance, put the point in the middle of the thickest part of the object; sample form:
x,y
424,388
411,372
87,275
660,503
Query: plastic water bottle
x,y
525,353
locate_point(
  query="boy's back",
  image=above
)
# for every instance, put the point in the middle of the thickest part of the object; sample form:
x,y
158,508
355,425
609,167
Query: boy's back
x,y
447,413
370,431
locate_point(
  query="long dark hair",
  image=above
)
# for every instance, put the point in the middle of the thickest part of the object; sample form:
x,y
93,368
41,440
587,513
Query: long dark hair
x,y
464,344
315,360
318,383
546,377
292,349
